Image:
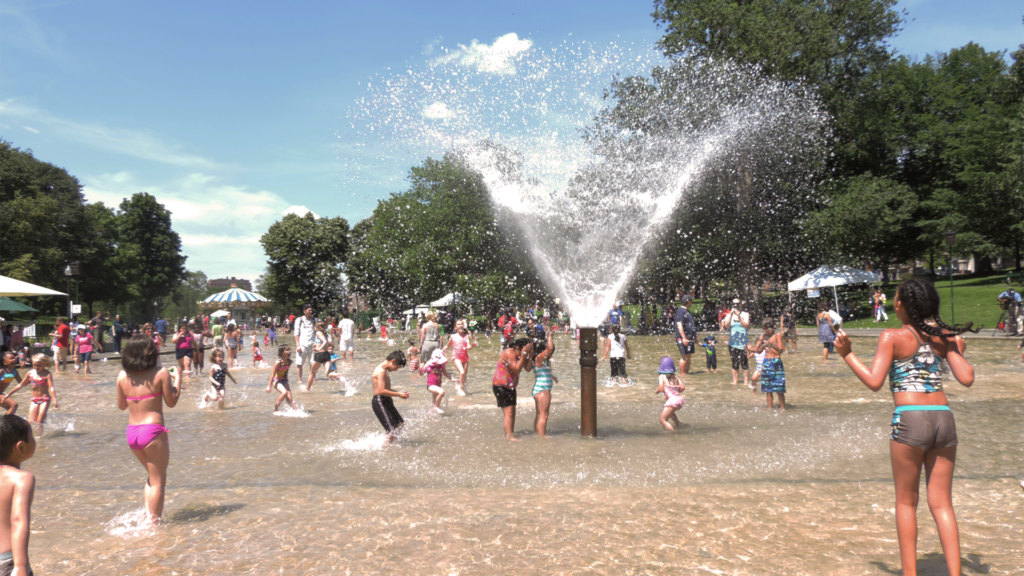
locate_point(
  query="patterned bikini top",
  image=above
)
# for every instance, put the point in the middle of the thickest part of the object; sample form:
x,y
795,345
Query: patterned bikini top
x,y
919,373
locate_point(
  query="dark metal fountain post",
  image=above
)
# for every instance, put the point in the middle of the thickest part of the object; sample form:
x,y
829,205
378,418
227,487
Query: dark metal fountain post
x,y
588,382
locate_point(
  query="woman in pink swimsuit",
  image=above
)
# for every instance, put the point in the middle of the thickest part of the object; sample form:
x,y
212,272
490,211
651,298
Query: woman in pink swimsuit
x,y
142,389
460,343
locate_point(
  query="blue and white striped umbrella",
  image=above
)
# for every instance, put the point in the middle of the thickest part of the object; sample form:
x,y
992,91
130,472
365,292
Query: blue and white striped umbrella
x,y
234,295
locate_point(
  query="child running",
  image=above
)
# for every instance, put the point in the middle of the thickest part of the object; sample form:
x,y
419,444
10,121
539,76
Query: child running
x,y
542,384
43,392
672,387
460,343
770,346
143,388
257,354
923,429
218,374
434,369
9,375
382,403
279,377
17,489
272,335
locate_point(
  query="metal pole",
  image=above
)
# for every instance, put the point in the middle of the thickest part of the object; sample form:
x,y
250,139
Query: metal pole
x,y
952,311
588,382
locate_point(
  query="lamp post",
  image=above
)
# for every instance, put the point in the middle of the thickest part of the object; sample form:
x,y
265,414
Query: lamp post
x,y
72,269
950,240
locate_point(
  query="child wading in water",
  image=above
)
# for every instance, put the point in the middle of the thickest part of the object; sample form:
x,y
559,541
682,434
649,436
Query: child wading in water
x,y
257,355
279,377
672,387
506,377
143,388
9,375
332,368
542,385
434,369
772,372
709,346
218,374
382,403
923,429
413,353
41,380
17,488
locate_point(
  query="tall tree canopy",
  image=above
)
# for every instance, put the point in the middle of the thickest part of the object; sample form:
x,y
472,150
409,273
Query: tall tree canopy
x,y
305,261
148,253
439,236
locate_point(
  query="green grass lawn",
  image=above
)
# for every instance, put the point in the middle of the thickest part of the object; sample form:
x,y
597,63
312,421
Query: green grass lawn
x,y
974,300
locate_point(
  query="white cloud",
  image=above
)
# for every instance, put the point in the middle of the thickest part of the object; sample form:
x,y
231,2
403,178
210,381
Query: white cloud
x,y
429,48
31,129
24,32
496,58
299,211
128,142
437,111
220,224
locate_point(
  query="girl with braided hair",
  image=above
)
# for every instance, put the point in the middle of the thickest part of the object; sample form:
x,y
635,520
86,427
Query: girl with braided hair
x,y
923,430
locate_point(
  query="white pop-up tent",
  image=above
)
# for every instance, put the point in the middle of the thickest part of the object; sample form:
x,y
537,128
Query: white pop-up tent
x,y
424,308
832,276
12,287
445,300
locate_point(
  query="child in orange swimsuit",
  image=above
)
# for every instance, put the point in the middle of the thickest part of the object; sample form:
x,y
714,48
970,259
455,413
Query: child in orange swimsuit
x,y
279,377
42,388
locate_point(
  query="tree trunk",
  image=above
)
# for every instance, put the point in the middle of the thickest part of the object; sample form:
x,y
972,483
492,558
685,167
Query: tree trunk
x,y
1016,254
983,265
748,277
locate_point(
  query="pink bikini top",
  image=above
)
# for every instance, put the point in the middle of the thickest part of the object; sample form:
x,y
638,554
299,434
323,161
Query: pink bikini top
x,y
146,397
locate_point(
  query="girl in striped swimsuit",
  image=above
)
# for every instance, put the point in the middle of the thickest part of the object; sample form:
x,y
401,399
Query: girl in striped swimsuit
x,y
542,385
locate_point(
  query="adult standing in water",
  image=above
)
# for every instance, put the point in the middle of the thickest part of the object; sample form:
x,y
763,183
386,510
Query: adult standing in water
x,y
346,337
923,428
305,334
143,388
218,334
118,332
736,322
826,330
233,340
686,334
430,338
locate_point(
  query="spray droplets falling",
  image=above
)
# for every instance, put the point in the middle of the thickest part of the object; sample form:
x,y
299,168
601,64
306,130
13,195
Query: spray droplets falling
x,y
587,152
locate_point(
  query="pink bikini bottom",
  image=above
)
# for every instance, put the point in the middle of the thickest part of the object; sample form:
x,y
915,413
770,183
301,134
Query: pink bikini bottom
x,y
140,435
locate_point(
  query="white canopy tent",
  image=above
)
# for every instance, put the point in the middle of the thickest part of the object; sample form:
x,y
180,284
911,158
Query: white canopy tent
x,y
419,308
12,287
445,300
832,276
219,313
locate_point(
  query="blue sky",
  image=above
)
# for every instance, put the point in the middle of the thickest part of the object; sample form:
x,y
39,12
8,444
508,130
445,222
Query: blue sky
x,y
234,113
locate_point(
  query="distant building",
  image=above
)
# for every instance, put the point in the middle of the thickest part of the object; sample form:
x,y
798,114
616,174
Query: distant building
x,y
226,283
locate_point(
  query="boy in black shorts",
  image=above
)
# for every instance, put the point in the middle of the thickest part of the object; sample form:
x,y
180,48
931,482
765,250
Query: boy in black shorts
x,y
383,405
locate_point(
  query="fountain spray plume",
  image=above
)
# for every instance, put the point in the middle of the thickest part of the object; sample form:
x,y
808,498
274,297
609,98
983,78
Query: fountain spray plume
x,y
589,157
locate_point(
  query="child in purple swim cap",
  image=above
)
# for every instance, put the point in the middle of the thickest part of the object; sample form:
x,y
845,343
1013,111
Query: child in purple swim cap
x,y
672,387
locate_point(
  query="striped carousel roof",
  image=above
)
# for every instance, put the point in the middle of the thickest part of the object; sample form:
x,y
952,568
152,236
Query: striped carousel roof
x,y
235,295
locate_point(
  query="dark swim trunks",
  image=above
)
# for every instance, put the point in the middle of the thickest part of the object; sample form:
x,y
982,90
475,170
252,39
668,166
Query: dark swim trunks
x,y
506,396
384,409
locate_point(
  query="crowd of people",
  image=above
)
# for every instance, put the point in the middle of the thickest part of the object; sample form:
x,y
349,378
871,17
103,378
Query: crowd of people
x,y
923,433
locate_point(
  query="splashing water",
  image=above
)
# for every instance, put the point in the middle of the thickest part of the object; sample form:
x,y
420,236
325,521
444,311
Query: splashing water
x,y
588,181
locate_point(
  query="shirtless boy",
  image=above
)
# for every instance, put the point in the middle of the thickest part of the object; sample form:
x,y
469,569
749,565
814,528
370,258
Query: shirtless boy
x,y
383,405
17,488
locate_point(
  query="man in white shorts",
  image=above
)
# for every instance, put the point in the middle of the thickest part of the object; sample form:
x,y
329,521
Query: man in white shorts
x,y
346,340
305,333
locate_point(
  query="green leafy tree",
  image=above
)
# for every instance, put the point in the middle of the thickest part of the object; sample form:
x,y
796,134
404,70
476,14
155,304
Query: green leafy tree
x,y
440,236
305,261
148,254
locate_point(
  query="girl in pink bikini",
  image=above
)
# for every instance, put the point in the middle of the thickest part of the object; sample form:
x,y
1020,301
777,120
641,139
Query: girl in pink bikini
x,y
143,388
41,380
460,343
434,369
